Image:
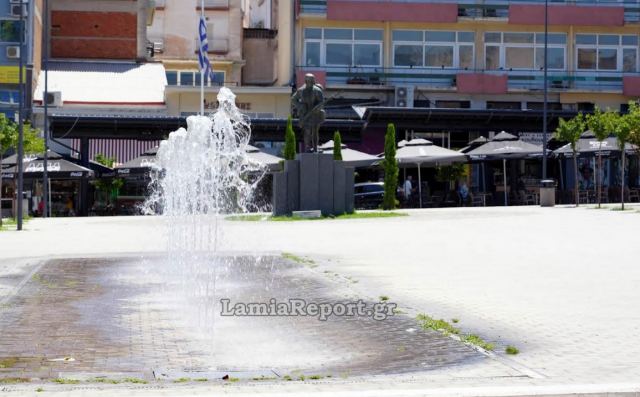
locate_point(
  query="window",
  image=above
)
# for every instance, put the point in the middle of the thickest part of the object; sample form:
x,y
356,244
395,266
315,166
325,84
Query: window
x,y
504,105
192,78
607,52
172,78
339,54
524,51
453,104
407,55
433,48
342,47
10,31
186,78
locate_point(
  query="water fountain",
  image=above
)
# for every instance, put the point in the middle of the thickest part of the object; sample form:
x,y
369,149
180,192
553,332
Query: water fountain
x,y
201,174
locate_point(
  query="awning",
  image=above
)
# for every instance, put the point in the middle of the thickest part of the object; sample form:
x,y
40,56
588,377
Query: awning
x,y
152,126
105,83
462,120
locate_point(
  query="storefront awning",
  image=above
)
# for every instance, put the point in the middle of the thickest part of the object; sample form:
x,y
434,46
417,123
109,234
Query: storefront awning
x,y
152,126
462,120
104,83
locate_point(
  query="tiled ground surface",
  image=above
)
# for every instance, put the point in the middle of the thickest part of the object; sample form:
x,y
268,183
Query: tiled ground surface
x,y
124,318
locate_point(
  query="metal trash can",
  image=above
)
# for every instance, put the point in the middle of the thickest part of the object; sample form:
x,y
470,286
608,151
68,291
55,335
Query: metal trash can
x,y
547,193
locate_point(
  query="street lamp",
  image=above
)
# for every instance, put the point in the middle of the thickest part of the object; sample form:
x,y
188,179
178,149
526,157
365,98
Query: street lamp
x,y
45,99
20,158
544,106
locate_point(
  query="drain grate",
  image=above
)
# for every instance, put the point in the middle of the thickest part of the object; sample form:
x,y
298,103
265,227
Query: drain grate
x,y
212,374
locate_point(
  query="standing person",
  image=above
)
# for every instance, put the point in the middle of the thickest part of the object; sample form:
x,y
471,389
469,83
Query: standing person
x,y
408,190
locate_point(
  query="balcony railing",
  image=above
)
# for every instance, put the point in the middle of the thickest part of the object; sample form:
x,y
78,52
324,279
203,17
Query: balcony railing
x,y
445,78
490,8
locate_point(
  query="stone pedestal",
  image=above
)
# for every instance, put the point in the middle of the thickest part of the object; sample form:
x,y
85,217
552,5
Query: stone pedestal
x,y
314,181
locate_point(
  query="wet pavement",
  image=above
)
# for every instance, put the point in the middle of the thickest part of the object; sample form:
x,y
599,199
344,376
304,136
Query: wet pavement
x,y
128,318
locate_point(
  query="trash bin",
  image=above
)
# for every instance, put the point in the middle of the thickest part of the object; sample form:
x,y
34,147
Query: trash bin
x,y
547,193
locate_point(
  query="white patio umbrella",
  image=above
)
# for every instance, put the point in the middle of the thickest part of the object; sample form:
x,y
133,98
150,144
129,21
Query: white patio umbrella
x,y
421,151
270,161
351,157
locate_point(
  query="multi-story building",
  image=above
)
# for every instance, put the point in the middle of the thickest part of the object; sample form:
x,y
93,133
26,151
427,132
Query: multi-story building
x,y
246,49
11,13
453,70
103,96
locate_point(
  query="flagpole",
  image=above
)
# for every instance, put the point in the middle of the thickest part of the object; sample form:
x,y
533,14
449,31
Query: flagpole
x,y
201,69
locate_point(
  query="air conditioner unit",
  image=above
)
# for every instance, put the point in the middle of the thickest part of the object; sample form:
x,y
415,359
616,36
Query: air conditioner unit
x,y
404,96
15,10
13,52
19,1
54,98
158,46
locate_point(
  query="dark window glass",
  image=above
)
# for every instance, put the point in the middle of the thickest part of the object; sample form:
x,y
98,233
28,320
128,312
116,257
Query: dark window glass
x,y
10,31
172,78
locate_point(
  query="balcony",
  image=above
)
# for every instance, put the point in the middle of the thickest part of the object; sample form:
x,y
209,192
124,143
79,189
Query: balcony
x,y
446,79
216,45
215,4
491,8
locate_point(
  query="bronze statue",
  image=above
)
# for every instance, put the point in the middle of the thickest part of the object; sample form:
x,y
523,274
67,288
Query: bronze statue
x,y
308,104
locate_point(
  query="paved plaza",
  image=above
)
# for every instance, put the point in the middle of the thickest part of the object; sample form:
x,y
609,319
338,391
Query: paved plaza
x,y
560,284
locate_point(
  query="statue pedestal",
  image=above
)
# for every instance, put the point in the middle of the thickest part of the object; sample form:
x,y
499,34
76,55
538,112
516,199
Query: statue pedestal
x,y
313,181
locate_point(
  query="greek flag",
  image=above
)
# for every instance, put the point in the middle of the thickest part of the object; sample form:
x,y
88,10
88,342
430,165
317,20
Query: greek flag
x,y
205,65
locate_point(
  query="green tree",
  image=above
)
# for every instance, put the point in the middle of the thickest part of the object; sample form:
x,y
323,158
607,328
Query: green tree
x,y
105,160
633,118
32,142
598,125
621,128
390,166
570,131
289,141
337,146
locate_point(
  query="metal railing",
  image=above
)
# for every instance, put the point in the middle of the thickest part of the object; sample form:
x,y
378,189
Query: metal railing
x,y
447,78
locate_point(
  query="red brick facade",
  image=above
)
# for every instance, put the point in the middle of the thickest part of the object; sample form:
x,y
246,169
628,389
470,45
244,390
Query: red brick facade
x,y
97,35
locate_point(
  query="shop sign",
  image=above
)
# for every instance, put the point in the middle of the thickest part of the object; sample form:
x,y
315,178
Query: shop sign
x,y
76,173
11,75
534,137
39,167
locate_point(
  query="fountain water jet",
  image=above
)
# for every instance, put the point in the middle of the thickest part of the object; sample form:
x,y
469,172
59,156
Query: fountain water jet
x,y
201,174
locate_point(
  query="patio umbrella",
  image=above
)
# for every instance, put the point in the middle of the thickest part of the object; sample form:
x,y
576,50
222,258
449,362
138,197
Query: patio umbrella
x,y
472,145
351,157
139,165
12,160
589,145
505,146
420,151
56,168
268,160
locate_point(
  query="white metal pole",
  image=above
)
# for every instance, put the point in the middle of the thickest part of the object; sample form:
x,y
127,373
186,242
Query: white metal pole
x,y
504,179
419,185
201,69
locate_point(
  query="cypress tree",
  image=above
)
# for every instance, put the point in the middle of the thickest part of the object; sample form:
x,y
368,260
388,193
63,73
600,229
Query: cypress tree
x,y
289,141
390,169
337,146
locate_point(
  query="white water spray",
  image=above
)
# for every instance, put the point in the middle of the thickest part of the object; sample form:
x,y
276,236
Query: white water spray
x,y
203,173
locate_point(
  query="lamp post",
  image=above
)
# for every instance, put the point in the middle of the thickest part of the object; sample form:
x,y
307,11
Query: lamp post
x,y
20,158
45,66
544,106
